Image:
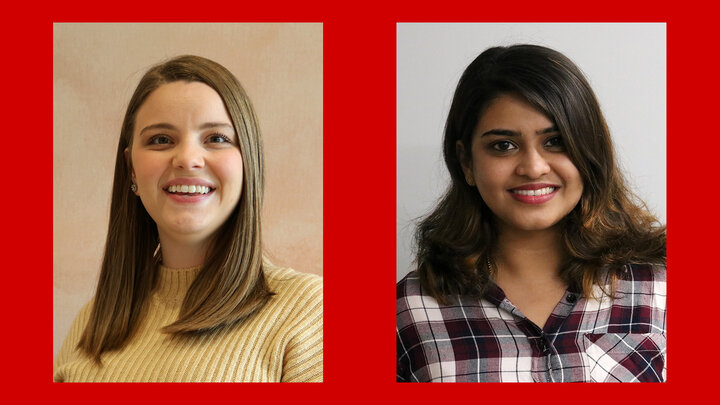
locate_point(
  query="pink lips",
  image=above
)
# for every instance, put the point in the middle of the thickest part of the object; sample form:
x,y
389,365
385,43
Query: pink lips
x,y
534,199
189,198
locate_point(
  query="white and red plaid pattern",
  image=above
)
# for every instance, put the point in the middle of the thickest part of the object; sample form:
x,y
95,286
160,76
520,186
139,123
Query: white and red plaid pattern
x,y
583,340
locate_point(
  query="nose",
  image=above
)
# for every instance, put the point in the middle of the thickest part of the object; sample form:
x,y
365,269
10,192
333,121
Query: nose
x,y
189,155
533,164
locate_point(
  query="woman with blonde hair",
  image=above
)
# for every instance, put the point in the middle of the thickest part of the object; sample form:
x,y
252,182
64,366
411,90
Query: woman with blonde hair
x,y
184,293
538,264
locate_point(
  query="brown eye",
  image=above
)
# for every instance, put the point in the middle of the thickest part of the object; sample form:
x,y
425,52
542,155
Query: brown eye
x,y
555,142
503,146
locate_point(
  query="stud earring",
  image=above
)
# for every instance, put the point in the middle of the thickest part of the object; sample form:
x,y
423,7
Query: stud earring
x,y
133,188
470,180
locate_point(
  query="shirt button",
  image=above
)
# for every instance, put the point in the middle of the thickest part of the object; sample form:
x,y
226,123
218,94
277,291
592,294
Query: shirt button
x,y
543,344
571,298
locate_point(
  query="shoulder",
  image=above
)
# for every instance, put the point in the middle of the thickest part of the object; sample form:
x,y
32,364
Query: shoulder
x,y
648,277
642,285
413,303
292,287
409,286
297,310
69,347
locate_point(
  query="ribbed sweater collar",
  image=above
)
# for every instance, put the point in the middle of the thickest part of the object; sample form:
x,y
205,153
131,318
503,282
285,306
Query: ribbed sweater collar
x,y
173,283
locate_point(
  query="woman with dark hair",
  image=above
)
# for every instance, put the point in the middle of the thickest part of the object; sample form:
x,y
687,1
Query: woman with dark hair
x,y
538,264
184,293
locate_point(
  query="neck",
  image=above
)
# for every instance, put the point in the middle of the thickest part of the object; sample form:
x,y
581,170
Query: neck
x,y
178,253
529,256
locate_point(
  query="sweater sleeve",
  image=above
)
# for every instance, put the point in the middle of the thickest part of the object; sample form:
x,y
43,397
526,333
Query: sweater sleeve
x,y
71,340
303,360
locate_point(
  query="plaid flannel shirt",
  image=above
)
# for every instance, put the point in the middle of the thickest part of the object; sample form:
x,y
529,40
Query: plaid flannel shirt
x,y
583,340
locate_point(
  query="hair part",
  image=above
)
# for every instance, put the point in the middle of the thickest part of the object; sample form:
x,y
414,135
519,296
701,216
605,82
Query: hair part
x,y
610,226
230,285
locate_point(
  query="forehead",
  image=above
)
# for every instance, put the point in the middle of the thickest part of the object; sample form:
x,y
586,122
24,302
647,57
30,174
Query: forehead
x,y
513,112
182,102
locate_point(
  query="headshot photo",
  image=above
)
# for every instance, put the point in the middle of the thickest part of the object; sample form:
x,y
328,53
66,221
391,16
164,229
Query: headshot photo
x,y
188,202
531,214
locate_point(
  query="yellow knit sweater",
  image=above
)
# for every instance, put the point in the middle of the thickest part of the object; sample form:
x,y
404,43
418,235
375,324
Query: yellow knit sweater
x,y
283,342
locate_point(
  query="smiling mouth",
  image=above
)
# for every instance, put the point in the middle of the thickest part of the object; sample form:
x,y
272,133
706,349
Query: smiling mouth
x,y
537,192
188,190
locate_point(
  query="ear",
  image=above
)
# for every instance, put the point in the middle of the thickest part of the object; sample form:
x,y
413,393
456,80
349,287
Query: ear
x,y
465,161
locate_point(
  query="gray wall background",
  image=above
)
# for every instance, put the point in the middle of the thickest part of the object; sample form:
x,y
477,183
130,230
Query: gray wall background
x,y
624,63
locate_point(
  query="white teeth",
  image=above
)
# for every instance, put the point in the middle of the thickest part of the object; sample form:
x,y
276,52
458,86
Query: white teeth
x,y
542,191
188,189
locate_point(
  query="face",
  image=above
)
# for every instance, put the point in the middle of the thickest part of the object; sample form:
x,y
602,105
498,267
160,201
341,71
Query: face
x,y
186,160
520,166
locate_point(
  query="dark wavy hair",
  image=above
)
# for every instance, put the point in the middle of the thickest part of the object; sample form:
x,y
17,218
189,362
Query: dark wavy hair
x,y
609,227
230,286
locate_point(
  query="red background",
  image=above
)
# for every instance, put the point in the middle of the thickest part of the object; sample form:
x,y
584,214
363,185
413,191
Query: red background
x,y
359,199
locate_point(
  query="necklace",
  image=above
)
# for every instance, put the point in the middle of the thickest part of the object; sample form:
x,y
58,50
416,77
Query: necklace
x,y
491,269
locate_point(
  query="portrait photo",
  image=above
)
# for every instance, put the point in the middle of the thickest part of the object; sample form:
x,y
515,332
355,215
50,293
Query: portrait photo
x,y
187,202
531,213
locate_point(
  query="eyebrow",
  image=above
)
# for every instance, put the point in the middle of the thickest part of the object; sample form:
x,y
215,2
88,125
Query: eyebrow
x,y
167,126
508,132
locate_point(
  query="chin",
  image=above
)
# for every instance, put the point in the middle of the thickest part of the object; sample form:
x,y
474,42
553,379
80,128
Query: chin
x,y
188,228
532,224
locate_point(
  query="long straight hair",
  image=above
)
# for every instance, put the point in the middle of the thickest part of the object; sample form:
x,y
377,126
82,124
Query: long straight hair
x,y
230,285
610,226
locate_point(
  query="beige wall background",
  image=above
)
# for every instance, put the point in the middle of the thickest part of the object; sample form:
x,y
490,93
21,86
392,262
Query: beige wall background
x,y
95,70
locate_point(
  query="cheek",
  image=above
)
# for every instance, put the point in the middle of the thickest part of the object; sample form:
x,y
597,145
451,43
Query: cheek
x,y
572,180
146,168
569,173
490,173
229,169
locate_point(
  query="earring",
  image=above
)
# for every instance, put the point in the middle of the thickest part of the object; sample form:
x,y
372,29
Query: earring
x,y
133,187
470,180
